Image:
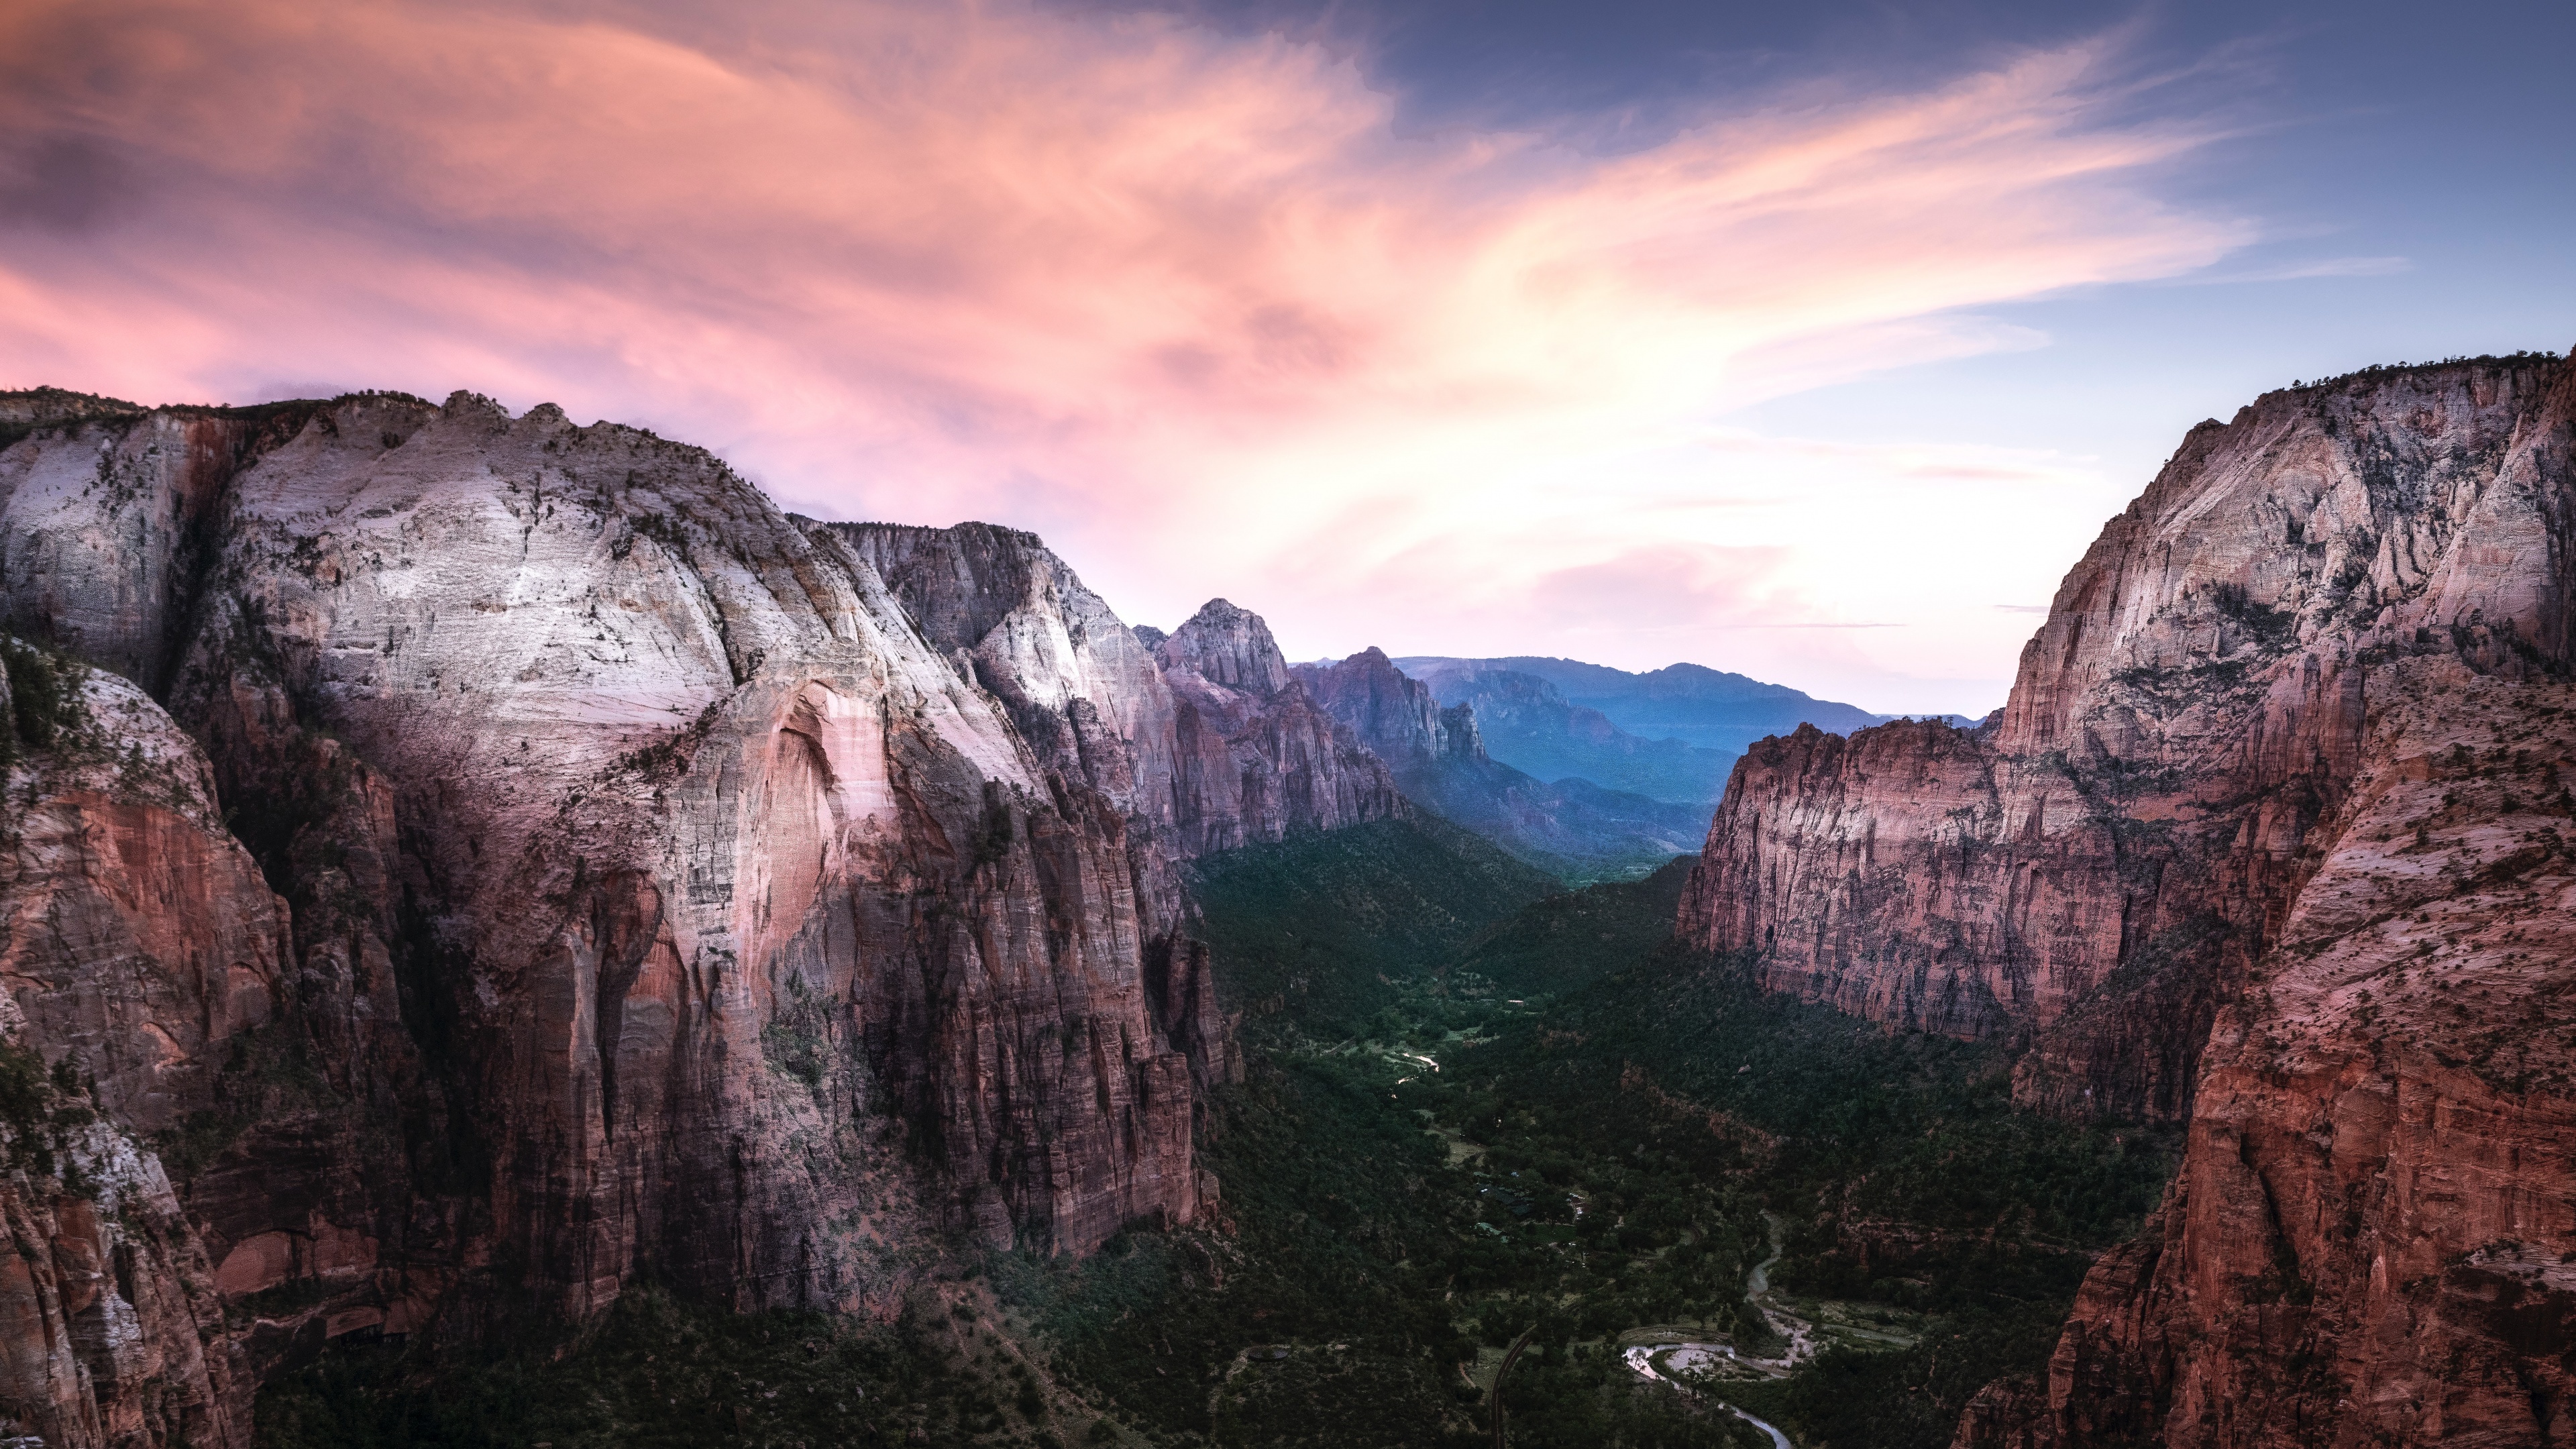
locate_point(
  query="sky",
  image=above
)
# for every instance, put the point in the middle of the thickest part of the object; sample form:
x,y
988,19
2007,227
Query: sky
x,y
1813,342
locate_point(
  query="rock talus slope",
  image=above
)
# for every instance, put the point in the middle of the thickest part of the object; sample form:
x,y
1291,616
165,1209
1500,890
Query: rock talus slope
x,y
621,878
2272,837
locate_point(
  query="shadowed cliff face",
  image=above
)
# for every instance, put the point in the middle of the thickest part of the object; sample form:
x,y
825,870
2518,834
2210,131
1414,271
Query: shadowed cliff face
x,y
2367,1242
140,944
620,879
2271,835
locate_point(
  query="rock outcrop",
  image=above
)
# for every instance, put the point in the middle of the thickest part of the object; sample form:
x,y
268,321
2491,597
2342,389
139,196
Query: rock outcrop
x,y
1227,647
523,859
140,946
2272,834
2369,1239
1208,761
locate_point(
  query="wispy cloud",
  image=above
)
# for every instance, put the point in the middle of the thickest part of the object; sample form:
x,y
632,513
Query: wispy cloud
x,y
1188,303
2304,271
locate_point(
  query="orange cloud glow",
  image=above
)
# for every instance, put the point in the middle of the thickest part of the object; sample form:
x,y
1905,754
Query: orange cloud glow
x,y
1189,304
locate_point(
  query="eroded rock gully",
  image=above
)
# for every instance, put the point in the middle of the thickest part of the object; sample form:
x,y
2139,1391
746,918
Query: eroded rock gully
x,y
2272,838
492,859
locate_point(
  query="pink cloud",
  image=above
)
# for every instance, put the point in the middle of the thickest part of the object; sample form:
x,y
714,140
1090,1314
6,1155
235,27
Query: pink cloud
x,y
1185,302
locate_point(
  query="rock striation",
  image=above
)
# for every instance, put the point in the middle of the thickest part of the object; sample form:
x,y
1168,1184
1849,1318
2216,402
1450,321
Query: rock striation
x,y
2270,838
490,859
137,939
1203,736
2370,1237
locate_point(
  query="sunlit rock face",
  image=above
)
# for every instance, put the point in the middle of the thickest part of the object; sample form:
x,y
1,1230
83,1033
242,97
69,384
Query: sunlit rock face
x,y
2271,836
1201,737
556,865
1228,648
2104,863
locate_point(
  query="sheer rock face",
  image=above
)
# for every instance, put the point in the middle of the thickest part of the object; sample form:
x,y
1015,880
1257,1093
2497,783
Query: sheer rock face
x,y
2279,811
622,878
138,941
2372,1237
1206,761
1228,647
2103,864
1394,716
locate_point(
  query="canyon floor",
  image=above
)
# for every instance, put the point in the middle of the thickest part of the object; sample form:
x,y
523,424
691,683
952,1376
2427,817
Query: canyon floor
x,y
1476,1104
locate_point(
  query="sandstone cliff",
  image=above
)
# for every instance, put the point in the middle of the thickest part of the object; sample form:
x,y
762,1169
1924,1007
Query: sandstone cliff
x,y
2103,864
2269,835
1204,737
2370,1237
138,942
621,878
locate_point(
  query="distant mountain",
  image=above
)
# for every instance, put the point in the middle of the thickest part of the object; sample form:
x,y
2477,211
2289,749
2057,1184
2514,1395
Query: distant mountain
x,y
1529,724
1572,827
1691,703
1672,734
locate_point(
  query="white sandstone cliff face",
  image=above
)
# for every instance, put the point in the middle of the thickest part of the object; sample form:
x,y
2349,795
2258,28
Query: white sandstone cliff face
x,y
662,892
1205,761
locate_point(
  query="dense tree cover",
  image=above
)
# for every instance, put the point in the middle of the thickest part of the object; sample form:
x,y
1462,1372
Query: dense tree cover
x,y
1319,933
1475,1105
1567,941
1905,1174
1584,1060
660,1372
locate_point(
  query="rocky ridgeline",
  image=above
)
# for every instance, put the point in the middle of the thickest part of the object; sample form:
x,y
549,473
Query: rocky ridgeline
x,y
484,860
2271,839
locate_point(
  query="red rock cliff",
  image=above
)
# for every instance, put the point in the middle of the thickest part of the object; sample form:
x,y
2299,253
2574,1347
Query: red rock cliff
x,y
2371,1235
2102,865
2272,832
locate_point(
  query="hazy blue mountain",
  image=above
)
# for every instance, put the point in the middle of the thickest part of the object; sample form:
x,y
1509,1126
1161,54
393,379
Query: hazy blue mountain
x,y
1529,724
1571,826
1692,703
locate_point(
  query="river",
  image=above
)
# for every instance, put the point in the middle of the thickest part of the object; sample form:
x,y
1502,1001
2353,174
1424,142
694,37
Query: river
x,y
1692,1358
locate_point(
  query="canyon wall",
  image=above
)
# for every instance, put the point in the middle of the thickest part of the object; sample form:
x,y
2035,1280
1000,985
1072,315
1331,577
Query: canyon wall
x,y
2372,1236
485,860
2271,837
2101,866
1213,761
